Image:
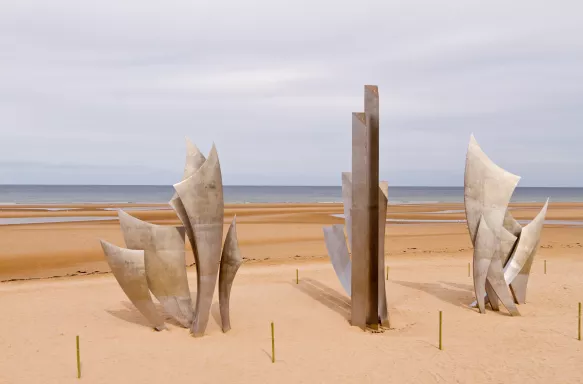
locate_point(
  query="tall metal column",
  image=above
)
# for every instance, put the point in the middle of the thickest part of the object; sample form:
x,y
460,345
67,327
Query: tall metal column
x,y
365,212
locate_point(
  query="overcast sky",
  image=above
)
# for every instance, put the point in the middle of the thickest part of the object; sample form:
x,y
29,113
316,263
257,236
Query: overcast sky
x,y
104,92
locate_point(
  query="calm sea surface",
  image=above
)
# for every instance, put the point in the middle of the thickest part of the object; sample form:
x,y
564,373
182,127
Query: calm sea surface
x,y
31,194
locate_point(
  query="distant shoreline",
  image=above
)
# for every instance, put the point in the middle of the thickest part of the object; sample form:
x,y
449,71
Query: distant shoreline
x,y
142,195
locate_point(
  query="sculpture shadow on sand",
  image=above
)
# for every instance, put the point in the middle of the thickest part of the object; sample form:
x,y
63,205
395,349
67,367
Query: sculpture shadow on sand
x,y
325,295
457,297
130,314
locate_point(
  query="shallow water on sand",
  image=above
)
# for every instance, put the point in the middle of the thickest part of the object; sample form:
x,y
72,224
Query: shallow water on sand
x,y
43,220
421,221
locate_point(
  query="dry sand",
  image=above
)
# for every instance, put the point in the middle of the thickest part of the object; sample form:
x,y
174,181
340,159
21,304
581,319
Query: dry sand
x,y
314,342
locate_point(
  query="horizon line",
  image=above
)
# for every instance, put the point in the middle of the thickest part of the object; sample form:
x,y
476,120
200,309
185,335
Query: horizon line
x,y
252,185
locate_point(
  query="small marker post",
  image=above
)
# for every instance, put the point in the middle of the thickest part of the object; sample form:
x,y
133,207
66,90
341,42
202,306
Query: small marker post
x,y
545,267
272,343
78,358
388,273
440,333
579,335
469,269
297,276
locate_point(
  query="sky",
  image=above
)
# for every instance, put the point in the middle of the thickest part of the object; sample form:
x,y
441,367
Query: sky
x,y
104,92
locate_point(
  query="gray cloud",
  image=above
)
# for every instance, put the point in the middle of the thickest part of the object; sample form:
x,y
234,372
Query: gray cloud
x,y
104,92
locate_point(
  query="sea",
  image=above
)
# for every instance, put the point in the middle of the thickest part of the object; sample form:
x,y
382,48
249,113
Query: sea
x,y
64,194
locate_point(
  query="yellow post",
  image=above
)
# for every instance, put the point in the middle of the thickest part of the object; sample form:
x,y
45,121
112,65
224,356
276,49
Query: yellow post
x,y
545,267
579,321
469,269
440,326
387,273
297,276
78,359
272,343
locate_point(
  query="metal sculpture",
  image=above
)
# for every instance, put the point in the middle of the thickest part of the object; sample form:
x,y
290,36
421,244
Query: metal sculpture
x,y
382,293
231,260
338,249
517,270
194,160
164,258
198,203
129,270
365,207
202,197
339,256
503,249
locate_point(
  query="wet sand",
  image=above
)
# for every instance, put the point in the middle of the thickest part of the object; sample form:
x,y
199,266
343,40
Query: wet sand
x,y
268,233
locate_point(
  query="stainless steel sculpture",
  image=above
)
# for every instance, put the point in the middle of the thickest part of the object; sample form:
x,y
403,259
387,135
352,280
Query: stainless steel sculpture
x,y
488,274
202,197
194,160
517,270
365,207
364,212
503,250
347,200
338,249
198,203
382,293
164,256
231,260
129,270
339,256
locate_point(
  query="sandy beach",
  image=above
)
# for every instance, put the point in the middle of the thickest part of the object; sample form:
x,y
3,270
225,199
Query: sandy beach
x,y
314,342
188,115
268,233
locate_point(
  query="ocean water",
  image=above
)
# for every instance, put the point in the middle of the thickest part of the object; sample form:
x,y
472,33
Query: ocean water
x,y
63,194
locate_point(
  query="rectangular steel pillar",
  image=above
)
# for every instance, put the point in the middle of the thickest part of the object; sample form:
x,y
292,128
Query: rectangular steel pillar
x,y
360,223
365,212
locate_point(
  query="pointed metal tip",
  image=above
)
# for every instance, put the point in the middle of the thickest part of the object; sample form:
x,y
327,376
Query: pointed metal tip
x,y
107,246
125,216
360,116
213,152
121,212
191,148
545,207
384,186
183,182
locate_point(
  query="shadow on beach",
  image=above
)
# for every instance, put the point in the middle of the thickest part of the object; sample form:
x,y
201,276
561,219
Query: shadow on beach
x,y
132,315
325,295
461,296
